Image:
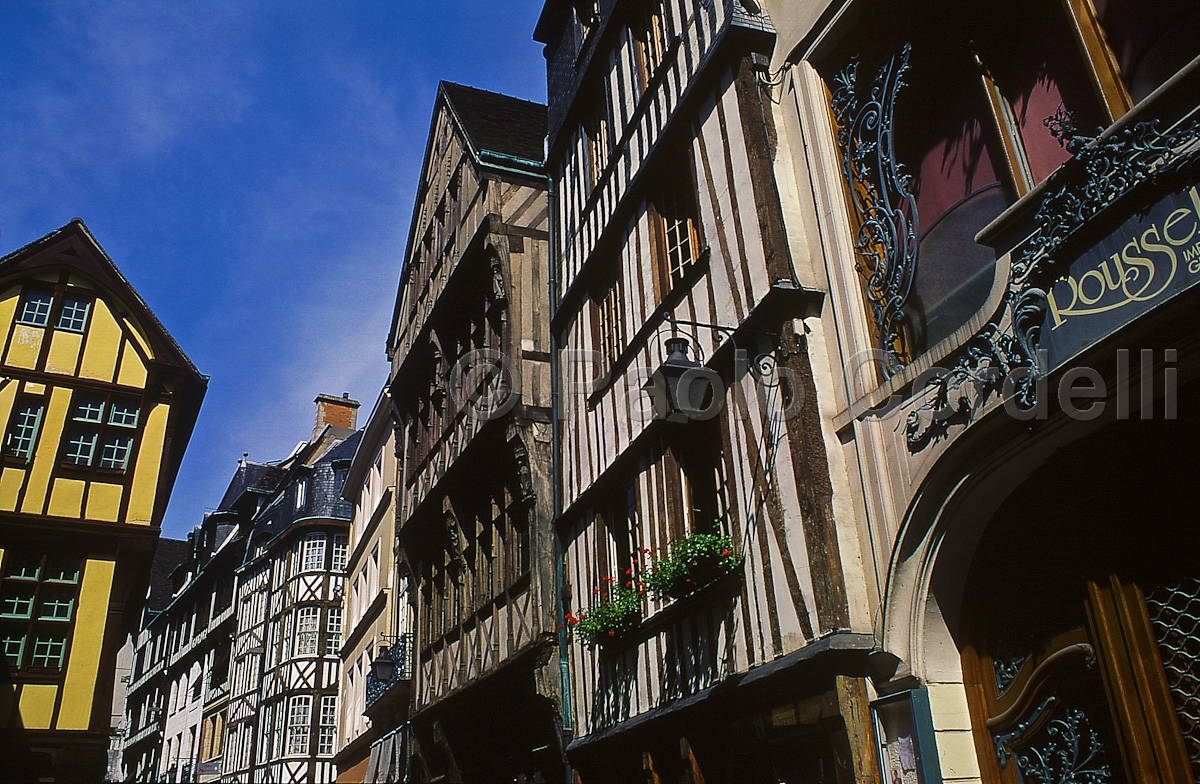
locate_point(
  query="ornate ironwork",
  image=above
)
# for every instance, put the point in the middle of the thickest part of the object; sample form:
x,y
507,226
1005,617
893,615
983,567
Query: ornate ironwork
x,y
1007,741
888,229
400,650
1007,670
1072,754
1175,618
1102,171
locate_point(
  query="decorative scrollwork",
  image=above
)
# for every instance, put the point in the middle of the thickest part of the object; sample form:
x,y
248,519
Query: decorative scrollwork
x,y
1101,171
1008,741
765,368
886,244
1072,753
1007,669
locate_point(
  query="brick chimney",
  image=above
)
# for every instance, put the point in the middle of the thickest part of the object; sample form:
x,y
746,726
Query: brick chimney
x,y
336,411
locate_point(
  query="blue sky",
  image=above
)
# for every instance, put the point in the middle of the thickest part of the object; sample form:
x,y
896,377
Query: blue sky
x,y
250,167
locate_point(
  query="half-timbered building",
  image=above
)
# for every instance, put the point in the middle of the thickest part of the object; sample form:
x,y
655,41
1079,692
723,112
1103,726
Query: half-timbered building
x,y
711,583
374,699
98,403
471,386
180,673
144,700
283,693
1002,203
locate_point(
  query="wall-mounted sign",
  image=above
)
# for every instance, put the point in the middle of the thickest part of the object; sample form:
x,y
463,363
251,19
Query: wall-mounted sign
x,y
1149,259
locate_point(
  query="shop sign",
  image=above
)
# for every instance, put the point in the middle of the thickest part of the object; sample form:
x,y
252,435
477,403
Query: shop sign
x,y
1149,259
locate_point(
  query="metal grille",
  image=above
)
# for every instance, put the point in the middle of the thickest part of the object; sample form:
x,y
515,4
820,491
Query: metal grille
x,y
1175,617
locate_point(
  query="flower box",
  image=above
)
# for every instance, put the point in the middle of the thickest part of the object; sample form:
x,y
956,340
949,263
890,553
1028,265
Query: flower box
x,y
616,613
691,563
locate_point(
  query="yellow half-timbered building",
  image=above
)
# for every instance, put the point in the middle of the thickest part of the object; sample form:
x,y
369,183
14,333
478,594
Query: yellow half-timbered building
x,y
97,402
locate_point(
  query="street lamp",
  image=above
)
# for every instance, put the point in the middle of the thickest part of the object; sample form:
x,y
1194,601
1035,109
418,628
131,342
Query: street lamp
x,y
682,389
383,667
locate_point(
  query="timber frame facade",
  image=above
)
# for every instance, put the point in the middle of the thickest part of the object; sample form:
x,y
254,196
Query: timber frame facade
x,y
98,403
470,384
668,223
283,693
179,683
371,732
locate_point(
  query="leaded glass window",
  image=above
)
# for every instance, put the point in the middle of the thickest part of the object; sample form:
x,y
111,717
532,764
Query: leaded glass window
x,y
299,712
325,742
307,627
340,552
314,552
333,631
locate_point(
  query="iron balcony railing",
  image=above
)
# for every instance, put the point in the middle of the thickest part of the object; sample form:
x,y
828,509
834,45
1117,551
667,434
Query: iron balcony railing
x,y
393,663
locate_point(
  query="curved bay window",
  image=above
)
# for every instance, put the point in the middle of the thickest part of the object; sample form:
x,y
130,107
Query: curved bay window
x,y
943,126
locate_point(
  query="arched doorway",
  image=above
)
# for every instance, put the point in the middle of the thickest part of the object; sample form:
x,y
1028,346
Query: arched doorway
x,y
1079,629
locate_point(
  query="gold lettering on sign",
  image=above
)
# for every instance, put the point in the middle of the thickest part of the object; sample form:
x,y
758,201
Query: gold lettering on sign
x,y
1141,271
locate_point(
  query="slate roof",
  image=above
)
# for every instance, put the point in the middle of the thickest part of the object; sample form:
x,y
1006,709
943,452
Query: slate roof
x,y
344,450
499,123
246,475
168,556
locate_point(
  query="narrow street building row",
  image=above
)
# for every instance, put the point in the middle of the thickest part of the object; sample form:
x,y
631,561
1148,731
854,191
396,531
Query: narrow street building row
x,y
805,393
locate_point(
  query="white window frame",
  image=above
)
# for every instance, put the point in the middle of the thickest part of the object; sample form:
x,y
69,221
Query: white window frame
x,y
327,739
314,552
308,625
299,719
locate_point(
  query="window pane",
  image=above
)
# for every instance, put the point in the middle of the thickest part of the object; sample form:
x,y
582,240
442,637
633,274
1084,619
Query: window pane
x,y
298,720
1151,39
16,604
24,431
123,414
11,646
23,567
49,652
62,570
74,314
307,626
36,308
89,410
340,547
115,453
314,552
333,637
57,606
81,448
